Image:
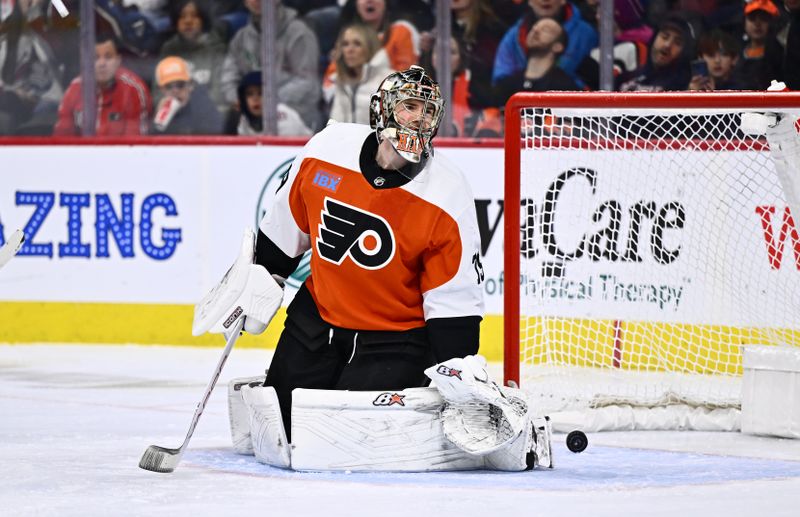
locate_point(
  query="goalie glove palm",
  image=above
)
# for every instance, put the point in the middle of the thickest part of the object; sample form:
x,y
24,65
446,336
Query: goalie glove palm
x,y
477,416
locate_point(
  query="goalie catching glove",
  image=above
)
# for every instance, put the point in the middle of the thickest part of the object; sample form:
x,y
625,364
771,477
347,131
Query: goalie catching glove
x,y
480,417
246,290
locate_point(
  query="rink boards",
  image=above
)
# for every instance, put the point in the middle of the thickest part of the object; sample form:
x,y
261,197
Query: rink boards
x,y
128,238
125,239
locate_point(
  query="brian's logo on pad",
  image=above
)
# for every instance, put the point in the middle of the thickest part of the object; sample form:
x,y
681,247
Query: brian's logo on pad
x,y
448,372
327,180
346,230
389,399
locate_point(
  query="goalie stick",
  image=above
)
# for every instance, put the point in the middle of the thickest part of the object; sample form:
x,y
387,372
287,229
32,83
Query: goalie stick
x,y
11,247
60,7
163,459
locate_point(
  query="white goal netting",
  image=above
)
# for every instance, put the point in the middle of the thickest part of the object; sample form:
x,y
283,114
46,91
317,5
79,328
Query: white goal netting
x,y
654,244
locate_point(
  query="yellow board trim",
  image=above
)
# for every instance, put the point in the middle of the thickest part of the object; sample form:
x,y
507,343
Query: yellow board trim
x,y
148,324
709,349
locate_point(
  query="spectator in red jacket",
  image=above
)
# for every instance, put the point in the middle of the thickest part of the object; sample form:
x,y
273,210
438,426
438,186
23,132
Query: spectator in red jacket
x,y
123,99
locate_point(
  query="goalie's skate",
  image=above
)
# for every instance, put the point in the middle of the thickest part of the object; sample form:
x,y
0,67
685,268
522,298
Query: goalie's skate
x,y
541,454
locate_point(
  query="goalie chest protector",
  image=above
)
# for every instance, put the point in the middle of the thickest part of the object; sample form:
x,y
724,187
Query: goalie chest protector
x,y
382,259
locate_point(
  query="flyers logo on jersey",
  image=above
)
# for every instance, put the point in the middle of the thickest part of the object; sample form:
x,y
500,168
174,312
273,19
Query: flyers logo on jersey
x,y
346,230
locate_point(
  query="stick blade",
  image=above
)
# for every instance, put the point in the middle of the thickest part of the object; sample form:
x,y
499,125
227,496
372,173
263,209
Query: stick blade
x,y
11,247
160,459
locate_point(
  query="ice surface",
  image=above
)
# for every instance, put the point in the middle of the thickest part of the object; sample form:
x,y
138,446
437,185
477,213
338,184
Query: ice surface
x,y
74,421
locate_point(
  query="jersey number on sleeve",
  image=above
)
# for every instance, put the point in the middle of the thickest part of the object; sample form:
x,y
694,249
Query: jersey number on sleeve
x,y
476,262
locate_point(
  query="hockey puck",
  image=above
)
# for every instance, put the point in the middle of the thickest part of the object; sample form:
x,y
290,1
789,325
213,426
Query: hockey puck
x,y
577,441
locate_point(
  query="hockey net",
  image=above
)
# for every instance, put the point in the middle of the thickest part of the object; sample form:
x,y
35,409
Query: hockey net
x,y
653,239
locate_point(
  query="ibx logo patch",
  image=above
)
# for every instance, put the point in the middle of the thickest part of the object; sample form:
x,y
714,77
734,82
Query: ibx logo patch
x,y
346,230
327,180
389,399
448,372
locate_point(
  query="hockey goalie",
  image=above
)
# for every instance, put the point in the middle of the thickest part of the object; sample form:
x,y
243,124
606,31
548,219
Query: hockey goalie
x,y
393,303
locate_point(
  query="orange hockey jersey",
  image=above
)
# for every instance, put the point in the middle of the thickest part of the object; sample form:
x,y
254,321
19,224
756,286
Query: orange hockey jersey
x,y
382,259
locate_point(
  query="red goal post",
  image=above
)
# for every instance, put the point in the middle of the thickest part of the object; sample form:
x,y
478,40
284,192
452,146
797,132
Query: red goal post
x,y
616,142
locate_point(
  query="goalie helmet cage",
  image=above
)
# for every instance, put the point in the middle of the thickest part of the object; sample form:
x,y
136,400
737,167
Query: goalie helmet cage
x,y
652,239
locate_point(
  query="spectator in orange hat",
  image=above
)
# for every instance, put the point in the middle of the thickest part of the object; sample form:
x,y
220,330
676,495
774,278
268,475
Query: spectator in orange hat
x,y
186,108
761,56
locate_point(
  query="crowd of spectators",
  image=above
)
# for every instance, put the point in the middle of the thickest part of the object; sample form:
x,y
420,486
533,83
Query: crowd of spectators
x,y
193,66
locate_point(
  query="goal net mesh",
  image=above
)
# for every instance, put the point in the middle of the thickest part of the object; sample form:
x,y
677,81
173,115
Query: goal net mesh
x,y
655,244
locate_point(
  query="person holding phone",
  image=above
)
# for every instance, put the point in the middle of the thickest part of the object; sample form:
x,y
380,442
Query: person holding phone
x,y
716,68
700,79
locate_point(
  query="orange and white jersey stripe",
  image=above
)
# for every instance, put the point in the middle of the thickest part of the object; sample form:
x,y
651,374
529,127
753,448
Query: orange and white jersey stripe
x,y
382,259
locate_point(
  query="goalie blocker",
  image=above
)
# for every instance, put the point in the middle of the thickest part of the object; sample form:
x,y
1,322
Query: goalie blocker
x,y
467,422
246,290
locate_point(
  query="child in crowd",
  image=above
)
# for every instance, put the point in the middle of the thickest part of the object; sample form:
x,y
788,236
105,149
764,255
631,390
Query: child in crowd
x,y
720,52
250,122
295,65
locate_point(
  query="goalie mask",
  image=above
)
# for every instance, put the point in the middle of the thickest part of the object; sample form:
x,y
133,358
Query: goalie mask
x,y
407,109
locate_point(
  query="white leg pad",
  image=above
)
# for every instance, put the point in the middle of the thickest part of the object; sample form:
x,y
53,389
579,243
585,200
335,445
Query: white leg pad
x,y
238,415
362,431
267,434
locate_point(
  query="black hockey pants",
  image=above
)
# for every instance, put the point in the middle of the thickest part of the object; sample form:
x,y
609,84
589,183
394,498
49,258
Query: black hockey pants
x,y
313,354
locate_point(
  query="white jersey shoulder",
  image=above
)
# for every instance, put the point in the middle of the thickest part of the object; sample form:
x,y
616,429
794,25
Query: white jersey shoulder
x,y
443,184
339,143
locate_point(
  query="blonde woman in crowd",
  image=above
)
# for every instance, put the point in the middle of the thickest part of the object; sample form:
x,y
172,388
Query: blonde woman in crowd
x,y
361,65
